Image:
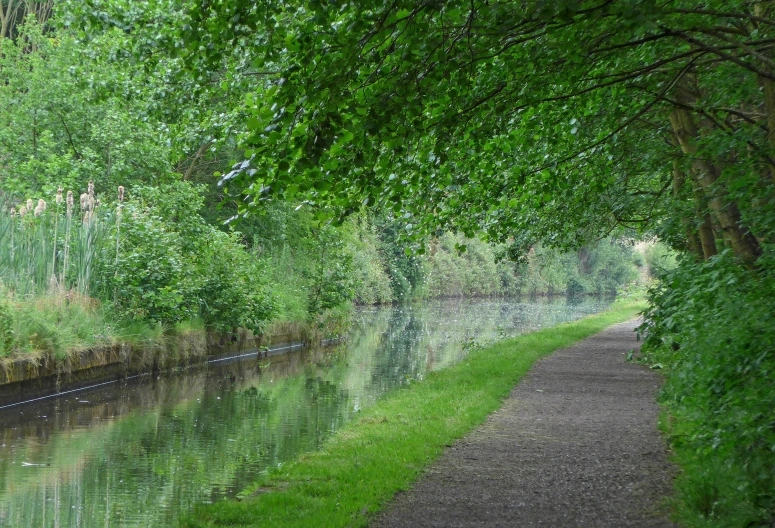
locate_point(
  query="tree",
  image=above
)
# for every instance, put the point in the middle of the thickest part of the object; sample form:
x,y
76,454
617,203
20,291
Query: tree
x,y
14,12
549,121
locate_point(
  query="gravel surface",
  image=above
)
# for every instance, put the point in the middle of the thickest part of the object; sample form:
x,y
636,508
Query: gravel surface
x,y
575,444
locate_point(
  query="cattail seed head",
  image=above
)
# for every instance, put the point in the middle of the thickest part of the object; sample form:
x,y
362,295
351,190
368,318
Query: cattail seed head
x,y
120,193
59,195
37,210
42,205
69,200
91,202
91,188
97,204
29,204
84,202
22,212
13,212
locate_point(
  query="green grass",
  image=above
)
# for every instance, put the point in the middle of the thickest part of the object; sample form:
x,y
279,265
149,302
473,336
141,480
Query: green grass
x,y
55,324
65,323
359,469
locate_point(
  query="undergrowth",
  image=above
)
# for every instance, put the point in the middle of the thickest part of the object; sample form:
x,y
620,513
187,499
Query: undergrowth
x,y
713,333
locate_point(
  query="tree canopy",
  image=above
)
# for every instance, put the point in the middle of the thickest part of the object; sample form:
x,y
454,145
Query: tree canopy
x,y
553,121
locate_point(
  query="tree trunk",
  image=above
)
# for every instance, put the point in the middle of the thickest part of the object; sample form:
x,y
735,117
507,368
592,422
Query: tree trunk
x,y
202,148
726,211
5,18
693,241
707,239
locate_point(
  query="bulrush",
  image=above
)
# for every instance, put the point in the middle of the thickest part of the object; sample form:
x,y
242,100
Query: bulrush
x,y
59,248
53,280
70,204
118,231
30,204
91,188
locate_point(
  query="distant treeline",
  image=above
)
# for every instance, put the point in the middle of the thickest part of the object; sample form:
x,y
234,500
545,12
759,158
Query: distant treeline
x,y
311,267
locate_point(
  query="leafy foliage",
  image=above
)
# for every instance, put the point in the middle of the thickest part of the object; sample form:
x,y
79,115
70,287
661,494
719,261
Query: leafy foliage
x,y
721,380
172,265
69,120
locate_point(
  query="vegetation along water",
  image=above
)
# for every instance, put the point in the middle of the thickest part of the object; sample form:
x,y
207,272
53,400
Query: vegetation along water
x,y
173,168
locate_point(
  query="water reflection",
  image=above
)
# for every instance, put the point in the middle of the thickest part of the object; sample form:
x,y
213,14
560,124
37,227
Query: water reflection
x,y
139,454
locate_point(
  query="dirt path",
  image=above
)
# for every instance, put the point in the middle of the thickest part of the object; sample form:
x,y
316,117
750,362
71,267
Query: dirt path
x,y
575,444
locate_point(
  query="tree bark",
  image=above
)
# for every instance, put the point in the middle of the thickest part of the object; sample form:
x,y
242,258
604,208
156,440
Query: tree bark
x,y
726,211
202,148
707,239
5,18
693,241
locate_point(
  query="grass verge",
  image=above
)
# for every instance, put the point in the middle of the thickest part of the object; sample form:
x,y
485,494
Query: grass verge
x,y
359,469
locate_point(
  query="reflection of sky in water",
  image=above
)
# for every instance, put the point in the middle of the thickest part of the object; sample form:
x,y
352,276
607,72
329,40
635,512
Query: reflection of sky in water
x,y
138,454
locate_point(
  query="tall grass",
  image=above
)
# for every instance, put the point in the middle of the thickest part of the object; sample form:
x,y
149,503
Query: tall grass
x,y
55,248
55,323
48,256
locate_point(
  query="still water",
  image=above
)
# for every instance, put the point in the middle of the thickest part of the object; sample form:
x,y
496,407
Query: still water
x,y
141,453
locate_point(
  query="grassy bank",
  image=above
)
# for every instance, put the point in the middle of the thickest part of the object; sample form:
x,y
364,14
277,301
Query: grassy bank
x,y
384,451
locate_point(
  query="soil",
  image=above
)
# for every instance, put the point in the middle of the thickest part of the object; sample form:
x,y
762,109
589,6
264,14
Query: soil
x,y
575,444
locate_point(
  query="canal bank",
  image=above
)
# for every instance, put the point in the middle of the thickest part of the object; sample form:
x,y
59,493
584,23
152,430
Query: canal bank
x,y
32,376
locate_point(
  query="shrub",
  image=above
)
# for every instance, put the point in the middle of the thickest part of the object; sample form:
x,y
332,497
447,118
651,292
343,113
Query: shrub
x,y
712,325
232,293
151,279
172,265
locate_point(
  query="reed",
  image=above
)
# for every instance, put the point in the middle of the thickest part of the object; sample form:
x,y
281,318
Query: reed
x,y
119,207
38,257
52,280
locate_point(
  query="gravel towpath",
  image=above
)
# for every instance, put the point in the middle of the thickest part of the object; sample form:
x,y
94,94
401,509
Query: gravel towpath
x,y
575,444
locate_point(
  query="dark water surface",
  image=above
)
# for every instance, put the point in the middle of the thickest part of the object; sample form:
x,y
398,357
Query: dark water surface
x,y
141,453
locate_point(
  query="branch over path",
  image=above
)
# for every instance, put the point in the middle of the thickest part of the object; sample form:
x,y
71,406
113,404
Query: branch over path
x,y
575,444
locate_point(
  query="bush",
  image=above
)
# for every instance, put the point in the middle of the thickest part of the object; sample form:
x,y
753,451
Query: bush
x,y
151,279
660,259
712,326
173,266
232,293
